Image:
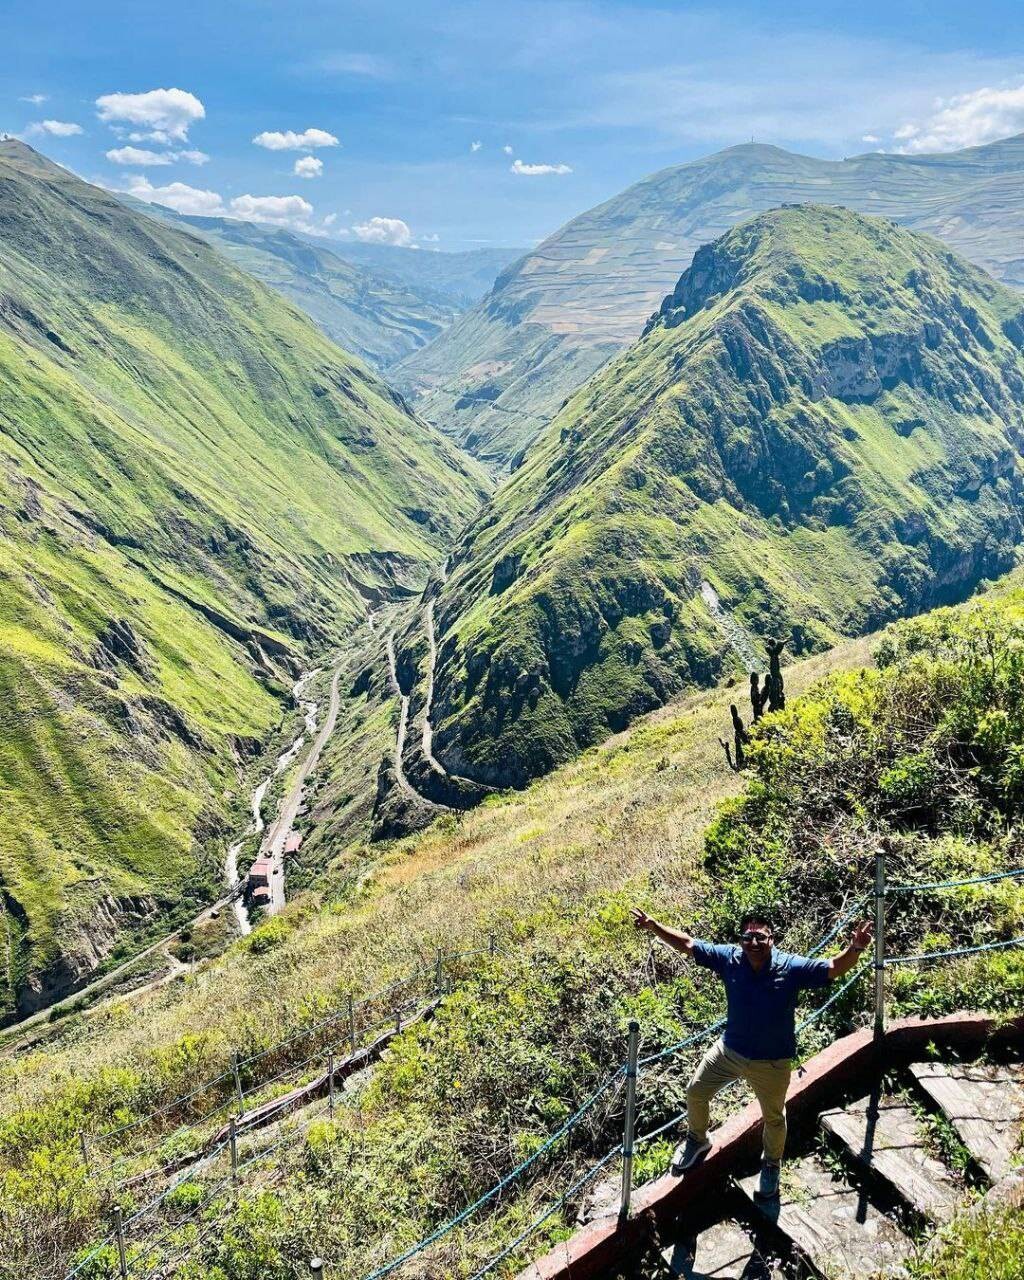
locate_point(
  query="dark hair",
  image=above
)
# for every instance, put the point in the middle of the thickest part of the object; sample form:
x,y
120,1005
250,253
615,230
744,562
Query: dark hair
x,y
755,917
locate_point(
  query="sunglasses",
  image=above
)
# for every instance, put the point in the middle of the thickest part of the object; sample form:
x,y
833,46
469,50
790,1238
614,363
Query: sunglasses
x,y
755,937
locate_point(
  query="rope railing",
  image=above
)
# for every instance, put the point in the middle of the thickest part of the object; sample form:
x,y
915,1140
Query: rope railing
x,y
615,1079
421,970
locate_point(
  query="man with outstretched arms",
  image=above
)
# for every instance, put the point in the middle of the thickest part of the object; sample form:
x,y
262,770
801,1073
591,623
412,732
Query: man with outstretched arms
x,y
759,1042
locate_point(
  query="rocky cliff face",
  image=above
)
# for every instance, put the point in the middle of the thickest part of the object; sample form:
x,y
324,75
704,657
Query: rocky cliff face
x,y
823,422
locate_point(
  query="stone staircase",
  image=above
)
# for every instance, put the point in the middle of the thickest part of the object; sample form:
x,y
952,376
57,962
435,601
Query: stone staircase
x,y
874,1186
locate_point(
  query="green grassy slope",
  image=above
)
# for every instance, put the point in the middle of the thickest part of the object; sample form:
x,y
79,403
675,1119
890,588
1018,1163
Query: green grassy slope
x,y
502,370
196,490
925,751
822,426
372,314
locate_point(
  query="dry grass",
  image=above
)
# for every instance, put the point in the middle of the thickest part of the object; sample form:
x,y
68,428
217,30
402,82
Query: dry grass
x,y
630,811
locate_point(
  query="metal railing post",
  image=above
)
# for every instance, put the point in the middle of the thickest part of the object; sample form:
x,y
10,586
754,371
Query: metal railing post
x,y
122,1261
630,1122
238,1078
233,1139
316,1269
330,1083
879,943
351,1022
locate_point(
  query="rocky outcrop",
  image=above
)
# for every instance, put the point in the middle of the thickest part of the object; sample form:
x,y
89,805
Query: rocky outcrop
x,y
87,939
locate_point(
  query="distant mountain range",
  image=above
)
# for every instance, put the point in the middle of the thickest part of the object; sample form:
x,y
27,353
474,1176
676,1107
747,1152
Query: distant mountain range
x,y
498,375
821,429
367,298
197,489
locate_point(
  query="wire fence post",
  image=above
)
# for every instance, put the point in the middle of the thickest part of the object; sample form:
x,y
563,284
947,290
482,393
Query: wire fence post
x,y
351,1022
330,1083
238,1078
492,944
85,1150
122,1262
630,1121
233,1139
880,943
316,1269
439,973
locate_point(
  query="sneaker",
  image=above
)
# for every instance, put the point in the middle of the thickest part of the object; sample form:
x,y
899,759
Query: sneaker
x,y
689,1153
768,1186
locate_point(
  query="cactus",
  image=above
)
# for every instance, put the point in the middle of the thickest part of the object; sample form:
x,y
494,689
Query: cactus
x,y
735,755
771,694
774,683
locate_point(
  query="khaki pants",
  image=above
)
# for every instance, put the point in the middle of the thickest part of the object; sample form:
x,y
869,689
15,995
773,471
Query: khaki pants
x,y
769,1079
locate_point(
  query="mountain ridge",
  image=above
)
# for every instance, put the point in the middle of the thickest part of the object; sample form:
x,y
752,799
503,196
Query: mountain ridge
x,y
559,312
198,493
823,423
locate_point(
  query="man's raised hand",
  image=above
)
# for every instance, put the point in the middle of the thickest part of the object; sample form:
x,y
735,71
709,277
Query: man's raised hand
x,y
641,919
862,935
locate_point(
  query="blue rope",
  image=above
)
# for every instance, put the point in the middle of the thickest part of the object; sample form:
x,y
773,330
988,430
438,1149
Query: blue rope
x,y
539,1222
509,1178
832,998
852,914
959,951
955,884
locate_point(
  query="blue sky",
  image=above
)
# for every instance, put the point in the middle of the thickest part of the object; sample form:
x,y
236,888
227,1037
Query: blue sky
x,y
568,102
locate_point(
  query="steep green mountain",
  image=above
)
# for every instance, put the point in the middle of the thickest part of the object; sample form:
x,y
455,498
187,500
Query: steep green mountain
x,y
370,313
198,494
464,275
502,370
820,430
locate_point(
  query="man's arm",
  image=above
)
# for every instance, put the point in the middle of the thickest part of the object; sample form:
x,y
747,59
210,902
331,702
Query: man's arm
x,y
859,943
675,938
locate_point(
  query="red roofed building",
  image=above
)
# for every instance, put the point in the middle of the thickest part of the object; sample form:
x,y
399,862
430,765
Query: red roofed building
x,y
259,873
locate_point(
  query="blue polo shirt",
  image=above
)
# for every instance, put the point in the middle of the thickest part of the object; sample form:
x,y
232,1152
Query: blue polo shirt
x,y
761,1021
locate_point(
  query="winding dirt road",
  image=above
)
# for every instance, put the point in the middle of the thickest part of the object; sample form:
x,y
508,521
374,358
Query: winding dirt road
x,y
403,722
273,845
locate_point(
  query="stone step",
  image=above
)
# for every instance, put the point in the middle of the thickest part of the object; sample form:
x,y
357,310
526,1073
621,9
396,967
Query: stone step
x,y
884,1135
722,1252
984,1103
833,1225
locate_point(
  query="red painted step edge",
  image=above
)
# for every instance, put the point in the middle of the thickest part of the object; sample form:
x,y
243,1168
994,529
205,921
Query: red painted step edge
x,y
598,1246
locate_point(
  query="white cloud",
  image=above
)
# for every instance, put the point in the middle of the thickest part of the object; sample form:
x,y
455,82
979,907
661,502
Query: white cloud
x,y
35,98
308,167
329,220
178,196
537,170
279,211
291,141
137,156
870,137
475,146
55,128
508,150
166,114
383,231
142,158
966,120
